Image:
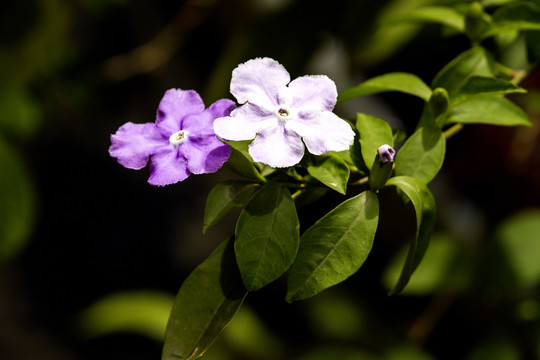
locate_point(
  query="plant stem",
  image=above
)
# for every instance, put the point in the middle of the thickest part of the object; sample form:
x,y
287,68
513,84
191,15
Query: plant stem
x,y
452,131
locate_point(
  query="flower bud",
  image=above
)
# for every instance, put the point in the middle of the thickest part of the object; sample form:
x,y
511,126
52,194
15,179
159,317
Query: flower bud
x,y
386,153
438,102
382,167
476,21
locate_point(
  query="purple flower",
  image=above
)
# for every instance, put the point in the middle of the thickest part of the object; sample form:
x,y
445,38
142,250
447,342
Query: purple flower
x,y
181,141
278,114
386,153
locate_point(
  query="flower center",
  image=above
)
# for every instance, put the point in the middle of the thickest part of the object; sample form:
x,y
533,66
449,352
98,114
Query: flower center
x,y
178,137
284,114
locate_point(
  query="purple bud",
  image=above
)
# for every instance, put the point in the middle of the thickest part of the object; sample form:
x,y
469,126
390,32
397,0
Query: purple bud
x,y
386,153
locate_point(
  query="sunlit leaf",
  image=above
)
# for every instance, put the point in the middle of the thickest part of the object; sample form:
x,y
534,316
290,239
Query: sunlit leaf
x,y
267,236
424,207
331,171
422,155
487,109
438,14
335,247
223,197
206,302
141,312
402,82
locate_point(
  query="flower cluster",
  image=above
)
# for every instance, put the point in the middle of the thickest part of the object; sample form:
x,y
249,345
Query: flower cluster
x,y
279,116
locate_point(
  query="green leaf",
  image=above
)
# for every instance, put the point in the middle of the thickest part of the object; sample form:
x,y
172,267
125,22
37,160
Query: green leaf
x,y
486,85
335,247
223,197
17,204
487,109
373,132
515,17
520,238
331,171
424,207
455,74
439,14
402,82
241,163
142,312
206,302
422,155
267,236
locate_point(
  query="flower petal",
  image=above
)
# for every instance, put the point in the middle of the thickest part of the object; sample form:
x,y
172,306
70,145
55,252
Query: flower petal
x,y
323,132
258,81
167,166
314,92
132,144
277,147
205,155
244,123
202,123
174,106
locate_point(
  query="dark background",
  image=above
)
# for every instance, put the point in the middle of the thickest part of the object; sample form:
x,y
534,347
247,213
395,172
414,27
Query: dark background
x,y
74,71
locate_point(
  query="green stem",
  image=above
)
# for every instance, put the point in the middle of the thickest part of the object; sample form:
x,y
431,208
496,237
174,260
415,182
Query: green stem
x,y
361,181
452,131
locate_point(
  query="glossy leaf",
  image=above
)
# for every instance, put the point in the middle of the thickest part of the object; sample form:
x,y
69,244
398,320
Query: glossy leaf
x,y
456,73
515,17
424,208
331,171
267,236
438,14
402,82
422,155
486,85
241,163
223,197
335,247
487,109
17,203
373,132
204,305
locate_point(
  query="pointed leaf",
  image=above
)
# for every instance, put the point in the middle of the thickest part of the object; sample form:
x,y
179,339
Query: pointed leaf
x,y
422,154
402,82
335,247
206,302
515,17
223,197
488,109
486,85
455,74
267,236
424,207
331,171
439,14
373,132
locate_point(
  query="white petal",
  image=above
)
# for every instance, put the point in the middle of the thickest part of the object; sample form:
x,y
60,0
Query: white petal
x,y
315,92
243,123
259,81
277,148
323,132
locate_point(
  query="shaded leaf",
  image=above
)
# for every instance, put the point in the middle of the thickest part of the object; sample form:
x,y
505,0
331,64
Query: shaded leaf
x,y
335,247
223,197
267,236
487,109
515,17
241,163
204,305
422,155
486,85
331,171
438,14
424,208
455,74
373,132
402,82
